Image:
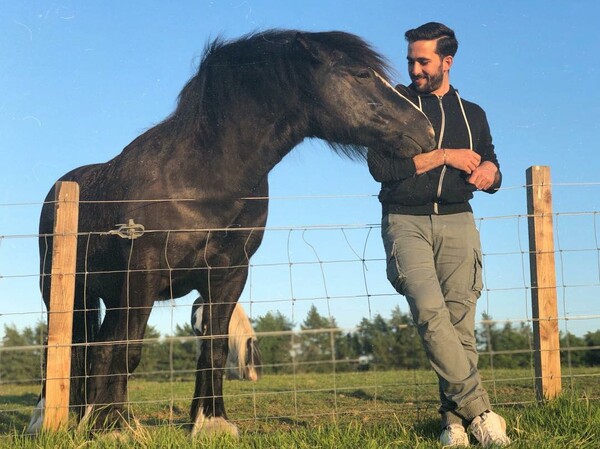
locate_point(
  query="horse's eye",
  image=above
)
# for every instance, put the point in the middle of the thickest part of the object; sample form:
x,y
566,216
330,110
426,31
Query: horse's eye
x,y
363,74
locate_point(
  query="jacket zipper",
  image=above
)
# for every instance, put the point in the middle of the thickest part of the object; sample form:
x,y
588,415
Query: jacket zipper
x,y
443,173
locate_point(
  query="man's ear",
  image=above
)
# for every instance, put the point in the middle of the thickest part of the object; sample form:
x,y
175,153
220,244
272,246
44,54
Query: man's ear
x,y
447,62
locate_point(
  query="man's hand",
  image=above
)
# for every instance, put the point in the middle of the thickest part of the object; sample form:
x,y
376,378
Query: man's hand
x,y
465,160
484,176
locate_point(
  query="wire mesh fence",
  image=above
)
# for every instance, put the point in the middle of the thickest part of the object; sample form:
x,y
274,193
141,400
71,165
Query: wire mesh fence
x,y
331,328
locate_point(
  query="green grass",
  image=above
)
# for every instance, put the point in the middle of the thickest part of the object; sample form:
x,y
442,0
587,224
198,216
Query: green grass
x,y
348,410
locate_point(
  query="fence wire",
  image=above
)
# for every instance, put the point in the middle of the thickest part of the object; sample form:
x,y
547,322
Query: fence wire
x,y
332,275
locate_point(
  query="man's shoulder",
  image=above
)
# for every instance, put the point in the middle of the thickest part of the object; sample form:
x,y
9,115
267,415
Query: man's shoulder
x,y
407,92
470,105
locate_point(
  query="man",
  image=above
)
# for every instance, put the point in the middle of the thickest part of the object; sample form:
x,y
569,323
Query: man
x,y
431,241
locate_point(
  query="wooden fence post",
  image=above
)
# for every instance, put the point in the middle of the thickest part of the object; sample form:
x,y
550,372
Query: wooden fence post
x,y
62,291
543,283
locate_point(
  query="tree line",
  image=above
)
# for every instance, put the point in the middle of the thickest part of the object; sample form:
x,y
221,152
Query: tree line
x,y
316,345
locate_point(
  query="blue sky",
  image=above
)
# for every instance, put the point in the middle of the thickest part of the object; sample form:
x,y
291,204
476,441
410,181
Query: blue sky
x,y
80,80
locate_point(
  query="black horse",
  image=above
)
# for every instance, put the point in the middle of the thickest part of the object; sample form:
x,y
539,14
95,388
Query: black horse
x,y
186,188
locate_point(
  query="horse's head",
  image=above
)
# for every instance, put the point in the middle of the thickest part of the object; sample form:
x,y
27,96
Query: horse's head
x,y
355,106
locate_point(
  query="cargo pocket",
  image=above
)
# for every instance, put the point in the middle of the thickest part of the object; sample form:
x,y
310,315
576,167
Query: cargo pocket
x,y
477,275
395,273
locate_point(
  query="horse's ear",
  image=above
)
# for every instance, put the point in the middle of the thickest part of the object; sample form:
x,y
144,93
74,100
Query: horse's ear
x,y
310,48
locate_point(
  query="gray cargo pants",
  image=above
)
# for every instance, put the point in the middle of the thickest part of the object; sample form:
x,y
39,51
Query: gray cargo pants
x,y
435,262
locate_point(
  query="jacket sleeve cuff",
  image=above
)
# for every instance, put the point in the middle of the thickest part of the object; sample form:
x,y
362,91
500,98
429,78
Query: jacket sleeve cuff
x,y
404,168
385,168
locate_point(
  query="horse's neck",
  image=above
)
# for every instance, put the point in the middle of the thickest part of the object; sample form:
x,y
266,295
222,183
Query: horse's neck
x,y
251,148
248,143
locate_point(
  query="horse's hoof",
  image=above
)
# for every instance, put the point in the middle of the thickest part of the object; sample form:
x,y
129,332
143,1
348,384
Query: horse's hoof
x,y
214,426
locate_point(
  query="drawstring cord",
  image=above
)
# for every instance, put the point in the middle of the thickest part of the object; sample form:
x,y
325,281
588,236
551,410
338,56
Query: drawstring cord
x,y
462,108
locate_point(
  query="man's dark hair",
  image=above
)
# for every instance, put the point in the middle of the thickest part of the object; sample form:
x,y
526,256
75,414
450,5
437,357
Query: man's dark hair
x,y
446,41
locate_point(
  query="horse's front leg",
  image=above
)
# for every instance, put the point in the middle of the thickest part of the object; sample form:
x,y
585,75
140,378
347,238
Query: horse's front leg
x,y
99,397
208,408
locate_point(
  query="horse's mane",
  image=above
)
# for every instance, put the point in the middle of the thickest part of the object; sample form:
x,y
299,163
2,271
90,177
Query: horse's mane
x,y
355,48
263,65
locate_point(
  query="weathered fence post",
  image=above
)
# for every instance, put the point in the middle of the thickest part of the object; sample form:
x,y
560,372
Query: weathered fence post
x,y
543,283
62,291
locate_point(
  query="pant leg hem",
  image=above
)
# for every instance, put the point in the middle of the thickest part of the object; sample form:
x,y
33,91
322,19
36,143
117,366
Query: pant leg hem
x,y
449,418
474,408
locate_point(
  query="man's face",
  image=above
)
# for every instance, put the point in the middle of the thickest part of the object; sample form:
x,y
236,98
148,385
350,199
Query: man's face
x,y
425,66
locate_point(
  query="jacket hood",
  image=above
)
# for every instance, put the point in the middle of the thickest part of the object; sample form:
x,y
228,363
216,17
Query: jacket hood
x,y
415,93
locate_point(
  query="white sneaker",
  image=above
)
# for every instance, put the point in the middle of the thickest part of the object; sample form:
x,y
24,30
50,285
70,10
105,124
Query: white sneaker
x,y
454,435
490,430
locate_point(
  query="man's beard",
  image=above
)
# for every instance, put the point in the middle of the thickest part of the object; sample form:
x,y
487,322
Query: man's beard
x,y
433,82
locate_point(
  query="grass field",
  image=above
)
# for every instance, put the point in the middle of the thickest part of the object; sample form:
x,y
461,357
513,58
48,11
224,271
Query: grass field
x,y
347,410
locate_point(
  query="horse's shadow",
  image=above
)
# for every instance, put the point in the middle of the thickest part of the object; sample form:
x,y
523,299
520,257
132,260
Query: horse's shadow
x,y
363,395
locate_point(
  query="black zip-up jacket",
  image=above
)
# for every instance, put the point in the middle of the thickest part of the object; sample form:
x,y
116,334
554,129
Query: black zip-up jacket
x,y
443,190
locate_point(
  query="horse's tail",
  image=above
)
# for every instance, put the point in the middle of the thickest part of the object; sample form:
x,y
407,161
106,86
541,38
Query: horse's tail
x,y
244,353
243,345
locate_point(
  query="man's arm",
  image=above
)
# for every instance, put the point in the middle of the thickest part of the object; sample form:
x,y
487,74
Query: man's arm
x,y
487,176
384,167
462,159
483,175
